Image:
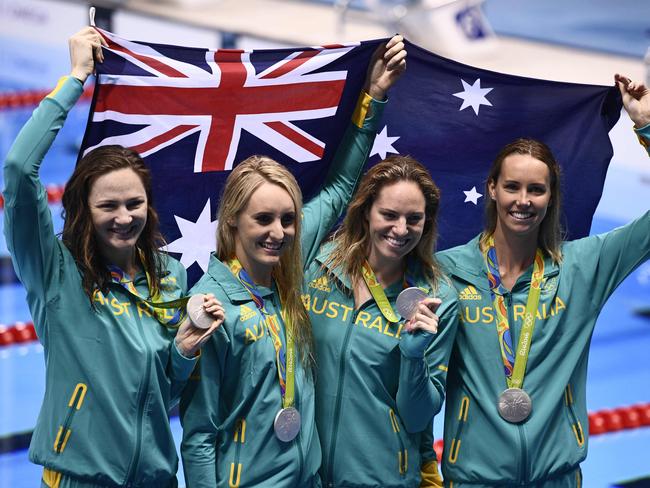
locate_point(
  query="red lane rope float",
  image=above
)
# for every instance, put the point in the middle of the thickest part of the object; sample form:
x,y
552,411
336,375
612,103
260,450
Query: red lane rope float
x,y
29,98
18,333
600,422
54,194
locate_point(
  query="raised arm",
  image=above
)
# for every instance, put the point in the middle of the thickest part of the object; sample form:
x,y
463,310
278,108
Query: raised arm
x,y
322,212
636,100
424,362
27,222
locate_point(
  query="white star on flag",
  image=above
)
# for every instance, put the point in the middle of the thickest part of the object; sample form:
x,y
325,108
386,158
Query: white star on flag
x,y
473,95
383,144
472,195
197,239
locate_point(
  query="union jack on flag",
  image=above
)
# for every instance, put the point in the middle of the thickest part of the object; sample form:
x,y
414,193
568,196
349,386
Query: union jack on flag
x,y
217,94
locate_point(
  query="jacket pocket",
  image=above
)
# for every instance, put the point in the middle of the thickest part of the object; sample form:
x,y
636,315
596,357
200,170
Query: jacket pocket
x,y
64,431
402,453
236,467
454,448
576,426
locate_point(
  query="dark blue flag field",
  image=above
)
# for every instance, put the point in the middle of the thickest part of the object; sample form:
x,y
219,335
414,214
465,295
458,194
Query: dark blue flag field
x,y
195,113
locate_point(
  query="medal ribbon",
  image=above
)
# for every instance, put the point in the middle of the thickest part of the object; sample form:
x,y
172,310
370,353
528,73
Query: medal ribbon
x,y
119,277
514,367
285,360
377,293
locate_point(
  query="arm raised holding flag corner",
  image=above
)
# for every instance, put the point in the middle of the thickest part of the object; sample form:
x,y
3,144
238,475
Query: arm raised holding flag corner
x,y
538,297
116,361
254,389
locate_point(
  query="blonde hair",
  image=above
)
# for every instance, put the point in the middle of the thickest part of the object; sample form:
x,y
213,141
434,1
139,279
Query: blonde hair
x,y
352,239
550,234
242,182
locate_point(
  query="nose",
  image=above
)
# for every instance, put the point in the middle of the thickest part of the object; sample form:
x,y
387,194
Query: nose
x,y
123,216
523,200
400,227
276,231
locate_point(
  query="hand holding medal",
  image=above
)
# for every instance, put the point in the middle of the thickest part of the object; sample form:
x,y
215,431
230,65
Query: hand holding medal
x,y
205,315
418,309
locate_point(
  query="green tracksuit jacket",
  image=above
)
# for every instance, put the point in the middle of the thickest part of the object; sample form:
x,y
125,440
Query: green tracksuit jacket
x,y
228,410
480,447
112,370
374,398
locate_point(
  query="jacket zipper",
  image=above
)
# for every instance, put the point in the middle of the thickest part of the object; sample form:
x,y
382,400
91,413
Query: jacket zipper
x,y
576,426
337,408
402,455
142,397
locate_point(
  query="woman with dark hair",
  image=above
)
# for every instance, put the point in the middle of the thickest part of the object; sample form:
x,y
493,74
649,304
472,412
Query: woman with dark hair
x,y
248,420
115,361
516,411
381,376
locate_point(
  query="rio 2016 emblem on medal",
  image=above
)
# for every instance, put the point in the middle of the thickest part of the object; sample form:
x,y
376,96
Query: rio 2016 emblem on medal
x,y
198,316
408,300
515,405
287,424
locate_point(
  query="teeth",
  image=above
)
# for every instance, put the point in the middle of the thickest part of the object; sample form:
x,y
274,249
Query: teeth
x,y
521,215
396,242
271,246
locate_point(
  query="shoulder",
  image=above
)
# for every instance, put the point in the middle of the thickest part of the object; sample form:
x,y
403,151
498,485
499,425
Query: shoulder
x,y
457,257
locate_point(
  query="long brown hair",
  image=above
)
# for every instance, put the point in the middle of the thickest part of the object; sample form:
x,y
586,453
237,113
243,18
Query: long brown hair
x,y
242,182
352,239
550,234
78,232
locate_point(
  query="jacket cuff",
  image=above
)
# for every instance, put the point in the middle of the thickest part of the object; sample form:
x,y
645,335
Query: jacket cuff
x,y
67,92
368,112
182,366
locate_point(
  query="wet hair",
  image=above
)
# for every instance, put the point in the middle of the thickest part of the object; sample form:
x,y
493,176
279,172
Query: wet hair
x,y
551,233
242,182
79,234
352,239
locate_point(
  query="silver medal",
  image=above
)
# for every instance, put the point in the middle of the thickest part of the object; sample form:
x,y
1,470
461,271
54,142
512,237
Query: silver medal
x,y
287,424
515,405
199,317
408,301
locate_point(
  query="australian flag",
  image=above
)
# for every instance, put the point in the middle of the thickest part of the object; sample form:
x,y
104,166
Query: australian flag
x,y
195,113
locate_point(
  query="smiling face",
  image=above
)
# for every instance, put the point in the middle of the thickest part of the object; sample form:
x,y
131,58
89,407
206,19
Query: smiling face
x,y
265,229
395,223
118,208
522,193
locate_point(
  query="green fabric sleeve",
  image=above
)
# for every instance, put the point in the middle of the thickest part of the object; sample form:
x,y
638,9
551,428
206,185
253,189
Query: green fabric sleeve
x,y
643,134
612,256
321,213
27,220
200,415
422,381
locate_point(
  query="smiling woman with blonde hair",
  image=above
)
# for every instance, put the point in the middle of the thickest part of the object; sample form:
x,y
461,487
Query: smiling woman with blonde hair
x,y
248,416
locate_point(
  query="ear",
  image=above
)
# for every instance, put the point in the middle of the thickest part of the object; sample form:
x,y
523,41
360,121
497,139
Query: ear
x,y
492,189
231,223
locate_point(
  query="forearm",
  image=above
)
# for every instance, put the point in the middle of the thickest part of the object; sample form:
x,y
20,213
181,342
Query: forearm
x,y
419,397
322,212
180,371
22,184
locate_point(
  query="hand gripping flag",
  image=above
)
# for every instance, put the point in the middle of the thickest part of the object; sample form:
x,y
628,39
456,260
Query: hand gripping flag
x,y
195,113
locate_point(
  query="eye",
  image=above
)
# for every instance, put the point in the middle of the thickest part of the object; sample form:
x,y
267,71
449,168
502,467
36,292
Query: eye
x,y
537,190
263,219
510,186
414,219
287,220
134,204
388,215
